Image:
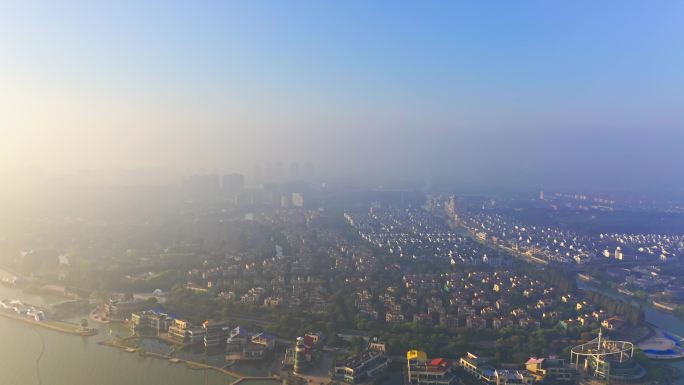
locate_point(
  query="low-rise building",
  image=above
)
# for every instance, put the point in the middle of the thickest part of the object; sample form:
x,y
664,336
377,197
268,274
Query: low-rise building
x,y
215,333
377,344
549,368
393,317
424,371
259,345
121,309
178,330
423,319
196,335
315,337
513,377
150,321
361,367
186,332
613,323
480,368
237,339
477,367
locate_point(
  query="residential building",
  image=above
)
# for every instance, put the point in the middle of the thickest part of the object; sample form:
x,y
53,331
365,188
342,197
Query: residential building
x,y
121,309
237,339
478,367
184,331
361,367
259,346
424,371
553,368
215,333
376,343
613,323
315,337
150,321
513,377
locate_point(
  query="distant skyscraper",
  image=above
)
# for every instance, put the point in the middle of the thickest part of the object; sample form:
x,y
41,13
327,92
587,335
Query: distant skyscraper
x,y
269,173
284,201
541,195
201,186
257,174
294,170
279,171
233,184
450,208
297,200
309,169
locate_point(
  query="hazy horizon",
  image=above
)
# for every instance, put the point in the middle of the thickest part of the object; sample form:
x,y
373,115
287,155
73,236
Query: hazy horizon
x,y
341,192
517,95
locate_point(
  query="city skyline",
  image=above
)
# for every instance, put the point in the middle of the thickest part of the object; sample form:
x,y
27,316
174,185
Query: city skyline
x,y
341,192
526,94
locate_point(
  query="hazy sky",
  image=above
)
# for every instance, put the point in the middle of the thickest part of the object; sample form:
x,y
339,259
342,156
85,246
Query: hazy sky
x,y
538,93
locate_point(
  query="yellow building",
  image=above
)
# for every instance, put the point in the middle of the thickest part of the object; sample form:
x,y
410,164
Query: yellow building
x,y
416,355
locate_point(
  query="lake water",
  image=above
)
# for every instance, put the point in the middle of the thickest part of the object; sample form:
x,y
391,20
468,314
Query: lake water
x,y
73,360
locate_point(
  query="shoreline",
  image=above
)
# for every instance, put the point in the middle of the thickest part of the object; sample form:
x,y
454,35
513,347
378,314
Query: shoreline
x,y
643,304
192,365
655,349
50,326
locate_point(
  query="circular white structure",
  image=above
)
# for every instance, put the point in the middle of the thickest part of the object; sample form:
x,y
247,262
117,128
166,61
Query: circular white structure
x,y
605,358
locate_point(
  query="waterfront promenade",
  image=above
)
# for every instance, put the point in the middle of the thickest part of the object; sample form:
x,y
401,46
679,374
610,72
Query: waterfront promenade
x,y
235,377
60,326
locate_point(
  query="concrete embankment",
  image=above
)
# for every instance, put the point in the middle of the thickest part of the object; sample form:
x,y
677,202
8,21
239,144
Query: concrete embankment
x,y
189,364
59,326
247,379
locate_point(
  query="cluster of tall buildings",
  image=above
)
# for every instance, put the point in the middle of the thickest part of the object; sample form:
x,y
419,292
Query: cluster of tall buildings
x,y
212,186
280,172
231,188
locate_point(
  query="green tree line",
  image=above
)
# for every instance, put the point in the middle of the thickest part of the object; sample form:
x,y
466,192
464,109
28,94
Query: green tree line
x,y
633,314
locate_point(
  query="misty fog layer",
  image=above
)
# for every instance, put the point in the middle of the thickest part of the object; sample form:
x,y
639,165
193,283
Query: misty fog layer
x,y
517,96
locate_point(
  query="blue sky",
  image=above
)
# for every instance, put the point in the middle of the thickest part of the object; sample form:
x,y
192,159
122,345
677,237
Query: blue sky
x,y
334,81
